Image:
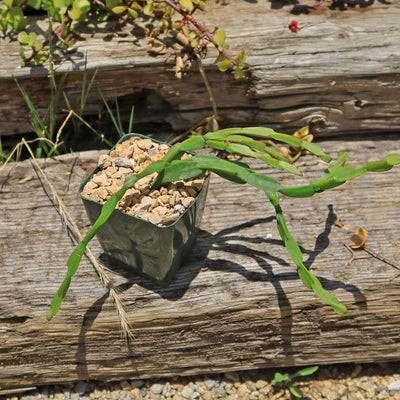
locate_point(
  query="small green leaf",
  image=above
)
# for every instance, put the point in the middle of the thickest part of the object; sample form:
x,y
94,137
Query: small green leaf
x,y
238,73
23,37
306,371
219,37
75,13
315,149
186,4
241,57
37,46
224,65
17,18
34,4
220,58
195,42
83,5
119,9
133,13
59,3
295,391
148,8
136,6
279,378
112,3
31,37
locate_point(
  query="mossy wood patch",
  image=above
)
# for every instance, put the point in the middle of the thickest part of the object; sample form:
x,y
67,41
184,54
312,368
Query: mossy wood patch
x,y
340,72
236,303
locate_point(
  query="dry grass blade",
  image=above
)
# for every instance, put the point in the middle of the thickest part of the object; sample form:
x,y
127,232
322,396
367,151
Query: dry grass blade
x,y
101,270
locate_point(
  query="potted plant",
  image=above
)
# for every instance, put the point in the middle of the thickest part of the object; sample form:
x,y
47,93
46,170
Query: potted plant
x,y
151,230
248,142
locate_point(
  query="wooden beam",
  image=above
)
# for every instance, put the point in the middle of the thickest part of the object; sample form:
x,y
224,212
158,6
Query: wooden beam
x,y
235,304
340,73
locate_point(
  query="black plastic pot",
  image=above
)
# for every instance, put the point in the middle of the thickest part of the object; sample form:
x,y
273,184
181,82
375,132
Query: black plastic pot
x,y
142,247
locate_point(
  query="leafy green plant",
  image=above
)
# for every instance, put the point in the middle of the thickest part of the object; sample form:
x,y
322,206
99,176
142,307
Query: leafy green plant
x,y
248,142
286,380
45,127
116,119
66,16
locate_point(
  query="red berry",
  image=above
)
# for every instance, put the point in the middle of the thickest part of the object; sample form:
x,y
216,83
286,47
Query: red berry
x,y
294,26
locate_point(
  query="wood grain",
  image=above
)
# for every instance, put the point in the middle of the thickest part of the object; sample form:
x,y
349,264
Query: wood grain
x,y
235,304
340,73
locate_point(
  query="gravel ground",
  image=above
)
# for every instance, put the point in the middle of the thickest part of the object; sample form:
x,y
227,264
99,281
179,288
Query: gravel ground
x,y
344,382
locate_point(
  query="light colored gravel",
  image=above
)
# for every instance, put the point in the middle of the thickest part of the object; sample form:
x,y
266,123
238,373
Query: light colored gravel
x,y
344,382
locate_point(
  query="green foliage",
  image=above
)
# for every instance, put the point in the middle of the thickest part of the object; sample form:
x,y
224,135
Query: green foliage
x,y
251,143
65,15
286,380
116,119
45,128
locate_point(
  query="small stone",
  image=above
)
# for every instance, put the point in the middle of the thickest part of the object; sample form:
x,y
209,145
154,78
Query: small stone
x,y
242,389
102,193
136,394
394,386
156,388
101,179
110,171
187,392
145,203
155,219
104,161
91,185
154,194
125,171
179,208
261,384
168,391
128,151
157,157
197,184
187,201
191,191
124,162
210,383
163,147
208,396
383,395
145,144
114,154
162,200
265,391
169,219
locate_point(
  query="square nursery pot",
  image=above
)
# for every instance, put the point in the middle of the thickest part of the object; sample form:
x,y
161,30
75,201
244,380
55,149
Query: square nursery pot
x,y
139,246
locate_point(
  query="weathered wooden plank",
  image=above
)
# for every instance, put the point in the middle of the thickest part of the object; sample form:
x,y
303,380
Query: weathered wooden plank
x,y
340,74
235,304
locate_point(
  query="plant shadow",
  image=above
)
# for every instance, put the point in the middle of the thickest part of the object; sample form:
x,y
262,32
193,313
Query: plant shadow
x,y
199,259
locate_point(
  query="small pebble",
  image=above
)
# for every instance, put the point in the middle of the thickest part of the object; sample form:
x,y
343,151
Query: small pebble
x,y
133,155
329,383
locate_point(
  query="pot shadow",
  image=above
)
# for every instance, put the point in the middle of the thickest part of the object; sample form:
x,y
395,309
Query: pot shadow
x,y
198,259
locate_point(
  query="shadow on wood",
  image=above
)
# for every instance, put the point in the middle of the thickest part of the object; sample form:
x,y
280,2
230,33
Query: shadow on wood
x,y
236,303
